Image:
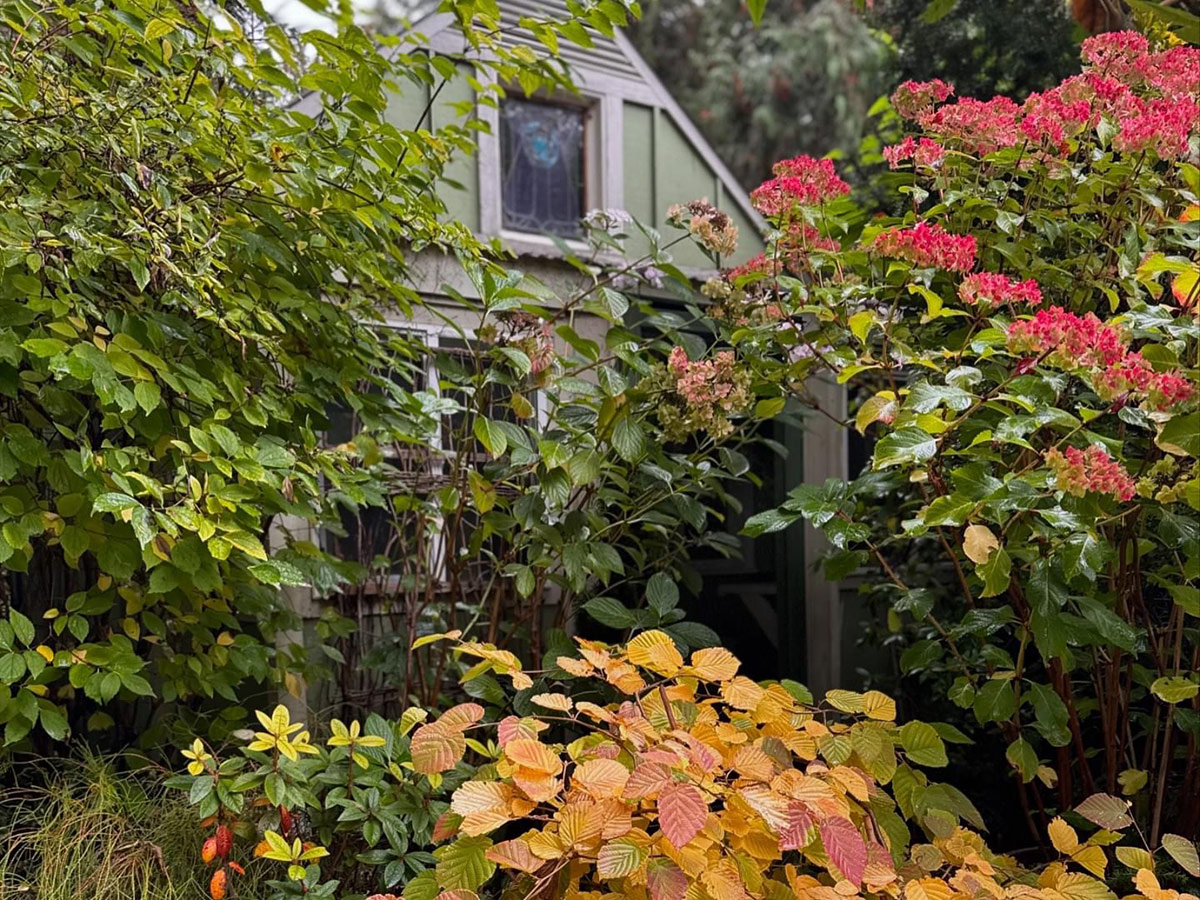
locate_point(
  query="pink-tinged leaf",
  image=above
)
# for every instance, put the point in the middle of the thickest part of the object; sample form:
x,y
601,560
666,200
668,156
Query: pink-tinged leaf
x,y
1106,811
446,826
461,716
682,812
512,728
666,880
646,780
845,847
436,748
797,833
458,895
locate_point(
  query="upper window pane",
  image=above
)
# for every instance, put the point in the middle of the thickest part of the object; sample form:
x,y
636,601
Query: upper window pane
x,y
541,155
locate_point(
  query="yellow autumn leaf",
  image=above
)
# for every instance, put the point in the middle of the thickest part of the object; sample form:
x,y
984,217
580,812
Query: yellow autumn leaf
x,y
1063,836
928,889
654,650
1091,858
878,705
559,702
978,543
714,664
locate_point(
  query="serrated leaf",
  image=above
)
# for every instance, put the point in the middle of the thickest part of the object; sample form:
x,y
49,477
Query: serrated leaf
x,y
845,847
682,811
436,747
464,864
1106,811
1183,852
619,858
923,745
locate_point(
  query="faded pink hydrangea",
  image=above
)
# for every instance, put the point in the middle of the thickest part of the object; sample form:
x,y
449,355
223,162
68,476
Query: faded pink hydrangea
x,y
913,98
702,395
989,287
1079,472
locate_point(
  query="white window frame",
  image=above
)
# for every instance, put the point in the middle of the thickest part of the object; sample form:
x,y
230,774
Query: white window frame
x,y
603,175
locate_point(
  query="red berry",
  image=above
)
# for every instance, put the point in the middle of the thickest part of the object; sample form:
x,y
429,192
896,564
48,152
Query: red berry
x,y
224,841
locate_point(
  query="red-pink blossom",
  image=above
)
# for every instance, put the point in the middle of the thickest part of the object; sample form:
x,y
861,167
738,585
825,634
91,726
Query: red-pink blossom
x,y
760,265
1072,341
1050,118
989,287
915,97
1115,53
801,181
1079,471
1162,125
928,245
978,125
1174,72
1100,352
923,152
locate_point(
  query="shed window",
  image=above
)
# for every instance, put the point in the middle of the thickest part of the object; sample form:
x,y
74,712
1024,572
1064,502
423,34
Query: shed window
x,y
542,167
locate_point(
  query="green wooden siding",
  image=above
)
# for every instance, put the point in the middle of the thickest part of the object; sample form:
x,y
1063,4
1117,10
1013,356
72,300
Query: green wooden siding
x,y
662,168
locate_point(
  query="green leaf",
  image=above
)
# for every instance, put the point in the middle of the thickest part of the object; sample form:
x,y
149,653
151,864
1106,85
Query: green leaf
x,y
1182,850
463,865
1051,715
45,347
922,744
995,701
768,521
756,8
490,435
937,10
148,395
113,502
1021,756
610,612
904,446
628,438
996,573
1174,688
12,667
662,593
22,627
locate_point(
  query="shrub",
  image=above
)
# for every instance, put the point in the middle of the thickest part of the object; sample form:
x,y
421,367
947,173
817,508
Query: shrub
x,y
174,236
1024,343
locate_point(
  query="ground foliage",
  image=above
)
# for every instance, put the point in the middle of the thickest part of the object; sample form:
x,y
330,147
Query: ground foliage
x,y
631,771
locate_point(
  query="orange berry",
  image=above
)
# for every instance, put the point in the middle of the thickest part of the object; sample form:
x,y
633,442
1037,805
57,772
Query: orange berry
x,y
209,851
217,887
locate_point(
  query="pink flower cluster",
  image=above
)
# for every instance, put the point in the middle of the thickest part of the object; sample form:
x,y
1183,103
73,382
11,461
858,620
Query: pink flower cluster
x,y
1163,125
711,391
1050,118
1072,340
989,287
913,98
1151,97
928,245
801,181
981,126
1079,471
924,153
1084,343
